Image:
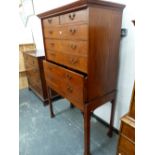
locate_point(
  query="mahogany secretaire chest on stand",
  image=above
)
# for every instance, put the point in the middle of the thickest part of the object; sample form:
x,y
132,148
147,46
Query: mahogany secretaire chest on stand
x,y
81,43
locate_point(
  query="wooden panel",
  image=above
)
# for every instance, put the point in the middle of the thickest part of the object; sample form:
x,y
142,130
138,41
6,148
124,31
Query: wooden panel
x,y
27,47
76,16
21,62
67,46
73,61
126,147
104,33
23,80
65,82
128,131
23,48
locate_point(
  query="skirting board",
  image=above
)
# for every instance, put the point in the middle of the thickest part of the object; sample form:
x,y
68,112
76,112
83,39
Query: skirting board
x,y
104,123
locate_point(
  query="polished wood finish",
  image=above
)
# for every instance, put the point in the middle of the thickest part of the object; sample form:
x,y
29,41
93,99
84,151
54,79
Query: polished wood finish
x,y
126,143
82,55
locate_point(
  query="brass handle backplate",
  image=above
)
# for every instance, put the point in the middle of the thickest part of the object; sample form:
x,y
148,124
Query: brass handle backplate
x,y
74,61
73,31
68,76
70,89
73,46
72,16
49,21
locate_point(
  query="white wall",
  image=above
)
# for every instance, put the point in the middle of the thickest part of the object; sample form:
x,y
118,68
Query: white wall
x,y
126,63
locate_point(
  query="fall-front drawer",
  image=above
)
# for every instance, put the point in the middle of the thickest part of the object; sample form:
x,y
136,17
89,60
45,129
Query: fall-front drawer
x,y
76,16
67,46
65,82
75,62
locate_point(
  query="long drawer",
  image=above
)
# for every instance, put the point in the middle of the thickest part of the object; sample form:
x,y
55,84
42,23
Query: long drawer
x,y
65,82
73,32
67,46
73,61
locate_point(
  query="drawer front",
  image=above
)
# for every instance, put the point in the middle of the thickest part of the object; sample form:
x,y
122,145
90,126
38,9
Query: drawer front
x,y
77,32
51,21
67,83
66,46
128,131
30,62
52,32
73,61
126,147
77,16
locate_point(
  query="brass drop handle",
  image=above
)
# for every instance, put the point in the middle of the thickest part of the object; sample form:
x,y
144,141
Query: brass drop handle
x,y
68,76
49,21
70,89
73,46
73,31
72,16
74,61
51,32
52,44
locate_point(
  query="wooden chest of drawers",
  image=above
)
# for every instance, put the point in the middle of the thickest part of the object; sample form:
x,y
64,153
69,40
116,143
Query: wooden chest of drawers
x,y
35,74
81,43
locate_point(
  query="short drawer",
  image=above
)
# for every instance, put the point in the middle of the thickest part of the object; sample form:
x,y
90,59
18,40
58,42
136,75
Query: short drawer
x,y
77,16
73,61
51,21
65,82
52,32
67,46
128,131
126,147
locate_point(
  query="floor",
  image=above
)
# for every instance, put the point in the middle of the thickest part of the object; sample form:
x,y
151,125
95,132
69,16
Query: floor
x,y
62,135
